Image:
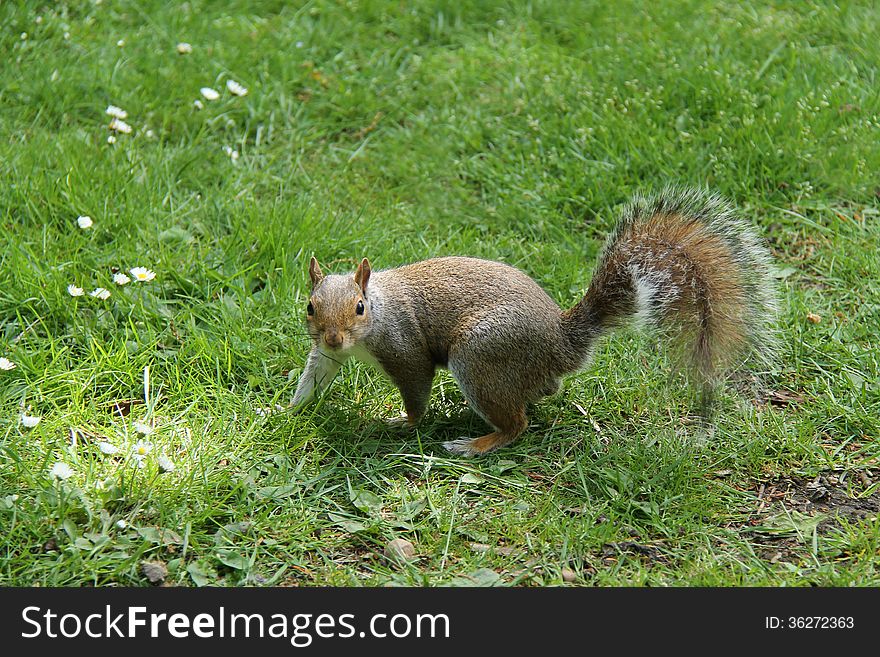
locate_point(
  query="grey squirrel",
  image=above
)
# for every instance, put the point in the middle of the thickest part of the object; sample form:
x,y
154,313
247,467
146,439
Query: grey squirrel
x,y
681,262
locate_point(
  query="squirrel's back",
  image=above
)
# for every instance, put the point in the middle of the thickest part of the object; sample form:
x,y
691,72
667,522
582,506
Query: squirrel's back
x,y
449,297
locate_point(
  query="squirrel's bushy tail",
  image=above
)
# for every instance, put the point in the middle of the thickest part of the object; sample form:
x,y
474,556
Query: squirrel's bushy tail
x,y
684,263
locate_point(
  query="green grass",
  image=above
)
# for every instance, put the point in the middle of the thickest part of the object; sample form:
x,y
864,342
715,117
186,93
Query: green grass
x,y
400,131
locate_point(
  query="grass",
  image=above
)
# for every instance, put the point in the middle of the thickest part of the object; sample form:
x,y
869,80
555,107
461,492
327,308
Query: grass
x,y
399,131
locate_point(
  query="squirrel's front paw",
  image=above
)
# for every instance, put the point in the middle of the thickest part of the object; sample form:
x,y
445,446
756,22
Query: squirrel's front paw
x,y
263,411
402,421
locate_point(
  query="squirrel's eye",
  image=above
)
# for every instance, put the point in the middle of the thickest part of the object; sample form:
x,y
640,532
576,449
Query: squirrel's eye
x,y
360,308
310,309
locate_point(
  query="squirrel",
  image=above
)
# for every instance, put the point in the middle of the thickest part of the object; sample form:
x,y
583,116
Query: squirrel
x,y
681,262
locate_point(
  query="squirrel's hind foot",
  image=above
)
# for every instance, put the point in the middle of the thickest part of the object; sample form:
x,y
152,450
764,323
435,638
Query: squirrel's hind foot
x,y
477,446
510,421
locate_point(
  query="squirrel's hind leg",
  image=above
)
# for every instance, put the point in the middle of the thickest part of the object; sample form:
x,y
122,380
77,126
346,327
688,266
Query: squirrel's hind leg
x,y
509,424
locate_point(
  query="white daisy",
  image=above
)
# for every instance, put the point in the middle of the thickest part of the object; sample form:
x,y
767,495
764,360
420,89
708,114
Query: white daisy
x,y
6,364
143,428
118,125
140,451
74,291
299,44
120,43
121,524
209,94
111,139
116,112
235,88
183,48
107,448
121,279
84,221
61,471
30,421
165,463
198,104
100,293
142,274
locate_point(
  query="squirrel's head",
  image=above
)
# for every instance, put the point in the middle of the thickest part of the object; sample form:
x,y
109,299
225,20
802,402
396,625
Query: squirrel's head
x,y
338,314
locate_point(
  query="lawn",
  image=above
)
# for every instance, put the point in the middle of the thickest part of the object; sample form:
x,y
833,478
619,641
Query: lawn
x,y
399,131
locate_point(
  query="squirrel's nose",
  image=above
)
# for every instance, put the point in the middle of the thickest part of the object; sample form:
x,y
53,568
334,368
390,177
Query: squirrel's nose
x,y
333,338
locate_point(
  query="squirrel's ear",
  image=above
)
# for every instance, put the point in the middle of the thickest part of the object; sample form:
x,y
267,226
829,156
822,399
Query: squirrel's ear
x,y
315,272
362,275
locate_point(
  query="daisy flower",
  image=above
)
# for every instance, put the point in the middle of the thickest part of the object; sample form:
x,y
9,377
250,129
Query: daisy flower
x,y
121,279
100,293
107,448
165,463
120,43
30,421
121,524
118,125
116,112
6,364
209,94
183,48
198,104
84,221
142,274
74,291
235,88
111,139
143,428
61,471
140,451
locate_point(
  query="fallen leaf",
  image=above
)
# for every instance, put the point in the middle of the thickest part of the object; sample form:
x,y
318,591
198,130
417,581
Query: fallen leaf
x,y
160,536
479,577
233,559
347,523
784,398
790,523
123,406
368,502
201,572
